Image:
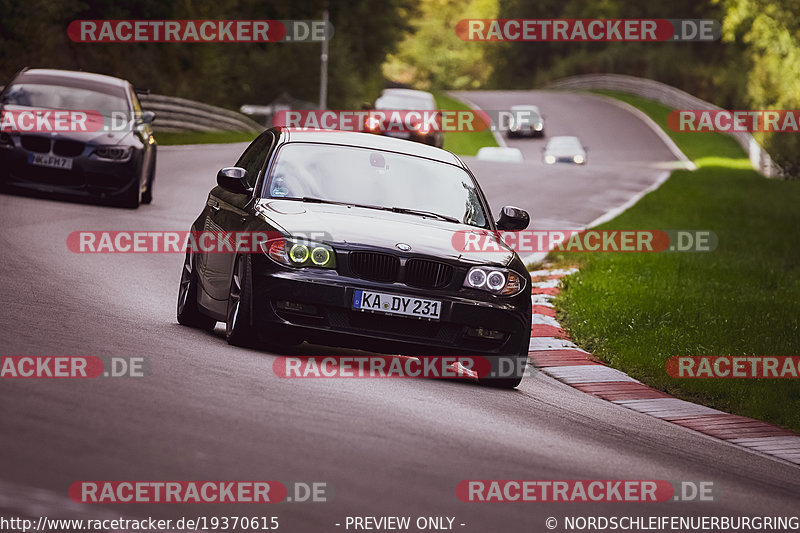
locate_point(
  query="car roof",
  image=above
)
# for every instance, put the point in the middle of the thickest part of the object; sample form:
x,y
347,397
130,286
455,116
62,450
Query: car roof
x,y
406,92
369,140
72,75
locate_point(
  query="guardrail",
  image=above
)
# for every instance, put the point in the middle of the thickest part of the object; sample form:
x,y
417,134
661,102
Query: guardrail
x,y
180,114
672,97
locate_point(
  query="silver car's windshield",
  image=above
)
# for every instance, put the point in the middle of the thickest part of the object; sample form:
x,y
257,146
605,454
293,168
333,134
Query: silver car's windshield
x,y
368,177
64,98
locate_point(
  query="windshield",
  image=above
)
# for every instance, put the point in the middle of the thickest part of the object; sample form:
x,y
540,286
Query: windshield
x,y
564,142
377,178
65,98
525,115
395,101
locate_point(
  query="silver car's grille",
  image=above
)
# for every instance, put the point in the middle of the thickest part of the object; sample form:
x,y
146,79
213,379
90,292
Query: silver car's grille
x,y
35,143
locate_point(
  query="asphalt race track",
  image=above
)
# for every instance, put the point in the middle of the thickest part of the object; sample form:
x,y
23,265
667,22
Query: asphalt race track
x,y
396,447
624,157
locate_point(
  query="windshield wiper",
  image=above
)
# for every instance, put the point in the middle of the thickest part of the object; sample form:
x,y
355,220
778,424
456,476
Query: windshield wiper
x,y
313,200
403,210
407,211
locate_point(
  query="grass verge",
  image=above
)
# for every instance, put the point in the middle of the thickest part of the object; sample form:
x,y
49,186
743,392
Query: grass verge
x,y
635,311
204,137
462,142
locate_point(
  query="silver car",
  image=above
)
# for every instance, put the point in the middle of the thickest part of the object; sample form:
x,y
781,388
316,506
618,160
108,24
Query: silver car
x,y
111,161
526,120
564,149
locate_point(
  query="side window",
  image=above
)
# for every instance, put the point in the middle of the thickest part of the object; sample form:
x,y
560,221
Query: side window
x,y
255,156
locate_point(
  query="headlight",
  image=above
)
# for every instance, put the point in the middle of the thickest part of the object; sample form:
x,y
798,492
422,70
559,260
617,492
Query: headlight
x,y
373,123
549,159
494,280
117,153
298,254
422,127
539,126
578,158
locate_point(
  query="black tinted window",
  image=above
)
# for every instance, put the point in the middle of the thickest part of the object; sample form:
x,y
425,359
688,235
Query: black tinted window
x,y
255,156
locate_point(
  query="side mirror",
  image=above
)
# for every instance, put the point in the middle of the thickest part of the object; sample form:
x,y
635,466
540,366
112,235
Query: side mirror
x,y
147,117
234,179
513,219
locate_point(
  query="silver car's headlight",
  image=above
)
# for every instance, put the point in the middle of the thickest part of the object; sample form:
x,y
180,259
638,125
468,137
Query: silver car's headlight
x,y
495,280
113,153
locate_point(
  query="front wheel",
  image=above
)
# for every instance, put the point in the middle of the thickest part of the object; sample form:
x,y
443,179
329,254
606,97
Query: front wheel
x,y
188,311
238,325
506,371
147,195
132,197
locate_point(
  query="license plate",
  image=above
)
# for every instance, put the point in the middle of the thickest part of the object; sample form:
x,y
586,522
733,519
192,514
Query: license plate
x,y
51,161
392,304
399,134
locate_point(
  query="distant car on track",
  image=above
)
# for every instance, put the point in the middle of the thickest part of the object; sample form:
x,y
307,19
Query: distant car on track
x,y
501,154
390,212
526,120
107,163
409,99
564,149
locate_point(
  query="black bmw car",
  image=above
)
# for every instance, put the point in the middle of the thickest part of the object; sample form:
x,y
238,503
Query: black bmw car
x,y
108,156
364,255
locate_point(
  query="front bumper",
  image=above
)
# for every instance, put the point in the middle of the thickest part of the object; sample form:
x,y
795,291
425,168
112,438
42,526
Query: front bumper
x,y
88,177
316,305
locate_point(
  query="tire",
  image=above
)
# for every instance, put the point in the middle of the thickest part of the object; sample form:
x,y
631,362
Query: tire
x,y
132,198
503,377
238,325
188,311
147,195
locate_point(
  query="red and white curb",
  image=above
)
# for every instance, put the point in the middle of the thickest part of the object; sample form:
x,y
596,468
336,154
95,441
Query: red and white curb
x,y
553,353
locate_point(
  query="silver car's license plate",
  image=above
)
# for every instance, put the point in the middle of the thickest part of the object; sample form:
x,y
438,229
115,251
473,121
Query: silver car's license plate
x,y
51,161
394,304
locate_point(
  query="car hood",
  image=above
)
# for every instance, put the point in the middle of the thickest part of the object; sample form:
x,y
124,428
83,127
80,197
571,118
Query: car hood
x,y
355,226
95,137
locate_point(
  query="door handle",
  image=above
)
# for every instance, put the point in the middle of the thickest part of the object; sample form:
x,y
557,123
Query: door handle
x,y
215,208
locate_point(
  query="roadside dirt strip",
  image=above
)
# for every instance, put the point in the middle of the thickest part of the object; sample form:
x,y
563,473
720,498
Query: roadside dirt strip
x,y
552,352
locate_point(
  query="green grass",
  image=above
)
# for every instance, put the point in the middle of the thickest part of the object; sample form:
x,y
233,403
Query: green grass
x,y
204,137
635,311
462,142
